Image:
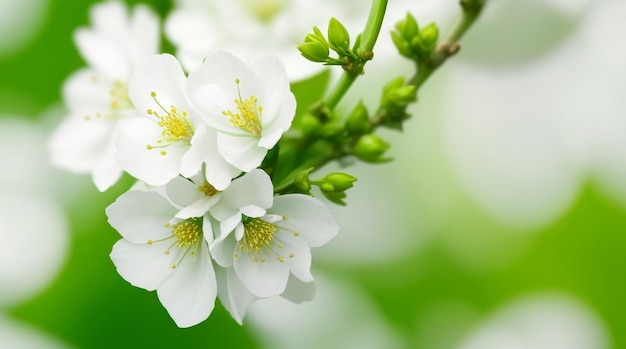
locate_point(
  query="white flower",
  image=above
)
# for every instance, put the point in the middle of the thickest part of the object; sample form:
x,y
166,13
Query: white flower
x,y
250,194
250,106
163,253
255,27
168,139
97,97
264,250
236,298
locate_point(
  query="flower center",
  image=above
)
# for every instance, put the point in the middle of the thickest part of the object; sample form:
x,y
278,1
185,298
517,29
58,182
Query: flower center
x,y
258,233
119,102
207,189
175,125
249,116
187,233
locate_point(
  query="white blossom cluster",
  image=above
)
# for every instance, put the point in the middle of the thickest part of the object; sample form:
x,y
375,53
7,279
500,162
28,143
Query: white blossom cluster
x,y
202,221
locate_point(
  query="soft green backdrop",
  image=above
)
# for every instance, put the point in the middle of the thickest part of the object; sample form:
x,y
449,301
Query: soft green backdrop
x,y
88,305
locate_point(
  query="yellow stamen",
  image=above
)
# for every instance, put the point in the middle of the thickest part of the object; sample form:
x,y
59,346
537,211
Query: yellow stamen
x,y
250,115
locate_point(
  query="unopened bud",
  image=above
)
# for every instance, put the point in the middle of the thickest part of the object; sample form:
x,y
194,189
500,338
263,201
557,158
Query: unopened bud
x,y
338,181
358,121
338,36
408,27
429,35
370,148
309,124
301,181
314,51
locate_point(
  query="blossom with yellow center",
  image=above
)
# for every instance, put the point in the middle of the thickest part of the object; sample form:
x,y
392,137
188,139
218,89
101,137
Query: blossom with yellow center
x,y
250,105
265,250
171,257
96,97
169,139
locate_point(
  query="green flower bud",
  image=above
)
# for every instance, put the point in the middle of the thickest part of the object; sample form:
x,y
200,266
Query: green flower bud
x,y
408,27
370,148
327,187
301,181
429,35
418,48
331,130
402,45
402,96
309,124
358,121
338,37
320,37
338,181
314,51
336,197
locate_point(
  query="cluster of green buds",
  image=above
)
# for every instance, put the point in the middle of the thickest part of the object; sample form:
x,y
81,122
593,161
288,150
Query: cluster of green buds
x,y
396,97
415,43
333,186
316,48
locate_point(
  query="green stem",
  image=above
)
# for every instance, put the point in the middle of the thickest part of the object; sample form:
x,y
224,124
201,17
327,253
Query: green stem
x,y
340,90
373,25
449,46
368,39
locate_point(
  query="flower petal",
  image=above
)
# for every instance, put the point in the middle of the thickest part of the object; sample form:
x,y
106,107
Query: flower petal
x,y
163,75
142,265
220,70
140,216
262,279
296,254
144,33
242,152
233,294
149,165
198,208
182,191
103,53
222,251
86,92
279,104
189,292
203,149
79,145
298,291
191,32
307,216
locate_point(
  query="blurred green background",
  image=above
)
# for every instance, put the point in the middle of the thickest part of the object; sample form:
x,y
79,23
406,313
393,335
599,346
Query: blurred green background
x,y
431,266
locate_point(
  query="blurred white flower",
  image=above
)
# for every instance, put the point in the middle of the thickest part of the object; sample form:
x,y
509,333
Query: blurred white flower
x,y
97,97
161,252
264,250
523,139
252,27
20,21
169,138
540,322
340,317
15,335
250,106
35,233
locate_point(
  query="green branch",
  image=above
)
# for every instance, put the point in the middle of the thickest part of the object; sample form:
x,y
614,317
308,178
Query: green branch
x,y
449,46
368,39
